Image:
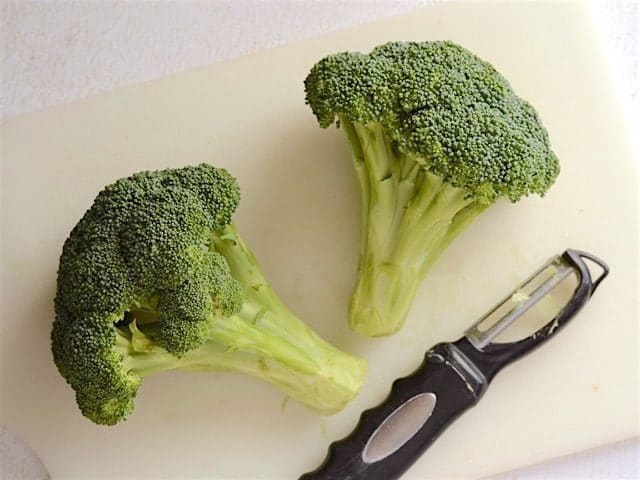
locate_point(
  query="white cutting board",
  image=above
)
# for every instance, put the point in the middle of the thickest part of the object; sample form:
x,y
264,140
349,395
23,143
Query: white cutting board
x,y
300,214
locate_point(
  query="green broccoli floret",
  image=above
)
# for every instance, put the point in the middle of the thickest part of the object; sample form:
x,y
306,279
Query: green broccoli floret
x,y
437,135
154,277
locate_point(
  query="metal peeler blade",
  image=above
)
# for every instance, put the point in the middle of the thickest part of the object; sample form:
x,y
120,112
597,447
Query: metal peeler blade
x,y
521,300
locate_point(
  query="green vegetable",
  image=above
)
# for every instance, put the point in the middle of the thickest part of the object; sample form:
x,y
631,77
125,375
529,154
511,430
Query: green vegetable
x,y
154,277
437,135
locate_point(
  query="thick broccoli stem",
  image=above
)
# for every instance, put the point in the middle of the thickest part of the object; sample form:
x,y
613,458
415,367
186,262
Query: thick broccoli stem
x,y
326,388
308,368
264,340
409,217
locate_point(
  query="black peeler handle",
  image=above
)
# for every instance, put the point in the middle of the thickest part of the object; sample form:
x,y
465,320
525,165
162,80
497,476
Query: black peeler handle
x,y
428,400
389,438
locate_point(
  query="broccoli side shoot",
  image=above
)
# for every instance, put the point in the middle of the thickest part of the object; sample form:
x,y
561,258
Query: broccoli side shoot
x,y
154,277
437,135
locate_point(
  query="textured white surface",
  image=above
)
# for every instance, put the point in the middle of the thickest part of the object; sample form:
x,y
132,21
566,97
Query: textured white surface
x,y
53,52
56,52
619,460
17,460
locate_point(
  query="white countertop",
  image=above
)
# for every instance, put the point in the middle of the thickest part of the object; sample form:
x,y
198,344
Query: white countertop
x,y
59,52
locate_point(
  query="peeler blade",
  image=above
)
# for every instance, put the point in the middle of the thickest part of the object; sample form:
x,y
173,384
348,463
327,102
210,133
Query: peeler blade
x,y
519,302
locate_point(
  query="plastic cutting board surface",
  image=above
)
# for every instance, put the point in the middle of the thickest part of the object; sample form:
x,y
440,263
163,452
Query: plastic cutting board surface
x,y
300,214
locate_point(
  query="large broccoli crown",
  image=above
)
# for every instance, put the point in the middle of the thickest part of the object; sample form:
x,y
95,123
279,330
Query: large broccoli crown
x,y
141,246
445,107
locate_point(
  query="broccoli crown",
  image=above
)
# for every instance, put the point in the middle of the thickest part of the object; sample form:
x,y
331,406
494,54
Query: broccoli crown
x,y
444,106
141,246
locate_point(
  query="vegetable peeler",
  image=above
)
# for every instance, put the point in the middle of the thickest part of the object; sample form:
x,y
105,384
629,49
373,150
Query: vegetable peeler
x,y
453,377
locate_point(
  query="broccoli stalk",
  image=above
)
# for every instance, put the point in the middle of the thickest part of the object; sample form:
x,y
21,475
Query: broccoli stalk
x,y
437,135
264,339
409,216
155,277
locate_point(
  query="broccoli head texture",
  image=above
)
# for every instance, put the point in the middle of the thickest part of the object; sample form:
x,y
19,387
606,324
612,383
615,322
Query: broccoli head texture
x,y
155,277
437,135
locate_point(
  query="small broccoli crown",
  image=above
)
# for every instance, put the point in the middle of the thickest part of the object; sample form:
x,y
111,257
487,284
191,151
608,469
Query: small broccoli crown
x,y
84,354
444,106
142,240
187,309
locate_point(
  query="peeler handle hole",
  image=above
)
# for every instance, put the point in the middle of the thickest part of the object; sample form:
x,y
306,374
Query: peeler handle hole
x,y
600,267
